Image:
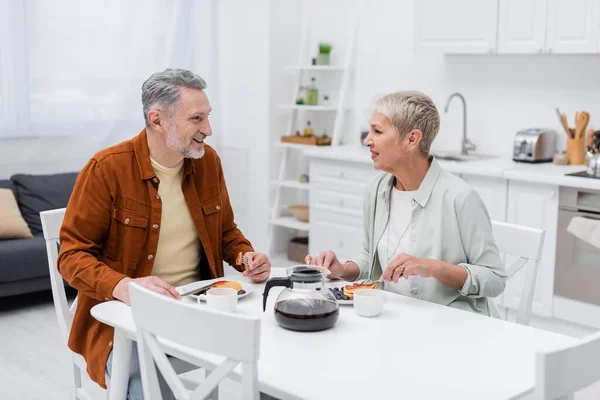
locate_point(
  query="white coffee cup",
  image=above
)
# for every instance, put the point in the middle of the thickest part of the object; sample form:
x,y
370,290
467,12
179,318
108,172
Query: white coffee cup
x,y
220,299
368,302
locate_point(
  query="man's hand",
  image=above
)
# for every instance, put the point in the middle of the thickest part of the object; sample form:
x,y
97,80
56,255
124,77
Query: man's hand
x,y
154,283
259,267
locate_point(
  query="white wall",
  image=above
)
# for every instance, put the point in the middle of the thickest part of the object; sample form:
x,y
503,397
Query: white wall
x,y
242,141
503,93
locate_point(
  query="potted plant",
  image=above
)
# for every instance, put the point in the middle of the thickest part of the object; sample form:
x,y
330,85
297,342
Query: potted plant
x,y
323,56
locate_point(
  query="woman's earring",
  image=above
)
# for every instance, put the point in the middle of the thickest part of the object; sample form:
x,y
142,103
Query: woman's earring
x,y
407,150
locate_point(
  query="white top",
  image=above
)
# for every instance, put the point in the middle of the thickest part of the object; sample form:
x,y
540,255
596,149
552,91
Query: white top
x,y
413,350
396,237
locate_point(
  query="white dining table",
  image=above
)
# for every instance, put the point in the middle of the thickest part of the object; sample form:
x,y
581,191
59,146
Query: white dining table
x,y
413,350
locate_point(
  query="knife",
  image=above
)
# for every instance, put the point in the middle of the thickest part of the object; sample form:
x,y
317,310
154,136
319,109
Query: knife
x,y
197,290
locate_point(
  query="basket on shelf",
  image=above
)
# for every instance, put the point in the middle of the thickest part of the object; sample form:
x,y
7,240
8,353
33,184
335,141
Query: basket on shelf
x,y
300,212
308,140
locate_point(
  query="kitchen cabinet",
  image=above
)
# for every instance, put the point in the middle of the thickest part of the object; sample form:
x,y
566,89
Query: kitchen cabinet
x,y
534,205
493,192
522,26
573,26
336,206
458,26
508,26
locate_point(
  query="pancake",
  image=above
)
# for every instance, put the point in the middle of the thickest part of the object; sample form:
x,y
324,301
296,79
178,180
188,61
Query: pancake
x,y
350,289
228,284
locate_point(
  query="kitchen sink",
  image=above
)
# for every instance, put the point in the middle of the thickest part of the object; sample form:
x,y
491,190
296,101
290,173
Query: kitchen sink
x,y
451,156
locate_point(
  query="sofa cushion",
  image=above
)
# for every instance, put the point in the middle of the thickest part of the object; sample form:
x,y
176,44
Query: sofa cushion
x,y
6,184
23,259
13,225
37,193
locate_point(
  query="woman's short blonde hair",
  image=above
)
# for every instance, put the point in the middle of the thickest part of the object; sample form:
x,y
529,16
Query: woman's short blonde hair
x,y
408,110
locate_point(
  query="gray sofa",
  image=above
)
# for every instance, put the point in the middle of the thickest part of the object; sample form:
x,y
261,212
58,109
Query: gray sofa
x,y
23,262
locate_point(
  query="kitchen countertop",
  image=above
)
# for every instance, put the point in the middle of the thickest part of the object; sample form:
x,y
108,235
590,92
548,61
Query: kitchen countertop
x,y
500,167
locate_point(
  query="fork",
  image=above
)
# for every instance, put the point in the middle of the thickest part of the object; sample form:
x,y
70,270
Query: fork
x,y
370,281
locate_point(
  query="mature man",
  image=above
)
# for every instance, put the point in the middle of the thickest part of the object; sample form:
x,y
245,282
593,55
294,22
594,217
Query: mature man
x,y
153,210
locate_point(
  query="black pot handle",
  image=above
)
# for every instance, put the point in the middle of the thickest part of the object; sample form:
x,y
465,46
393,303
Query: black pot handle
x,y
274,282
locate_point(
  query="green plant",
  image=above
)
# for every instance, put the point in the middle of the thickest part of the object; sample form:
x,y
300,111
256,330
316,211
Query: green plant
x,y
324,48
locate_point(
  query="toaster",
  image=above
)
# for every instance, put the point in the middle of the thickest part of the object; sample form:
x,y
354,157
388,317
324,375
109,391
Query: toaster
x,y
534,145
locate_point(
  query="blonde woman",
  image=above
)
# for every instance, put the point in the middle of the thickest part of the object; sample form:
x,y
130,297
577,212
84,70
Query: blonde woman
x,y
427,233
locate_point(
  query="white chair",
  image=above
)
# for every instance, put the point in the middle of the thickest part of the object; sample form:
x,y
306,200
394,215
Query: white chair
x,y
235,337
526,244
51,223
560,373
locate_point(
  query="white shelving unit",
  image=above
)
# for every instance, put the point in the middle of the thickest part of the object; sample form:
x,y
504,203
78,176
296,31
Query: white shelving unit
x,y
283,182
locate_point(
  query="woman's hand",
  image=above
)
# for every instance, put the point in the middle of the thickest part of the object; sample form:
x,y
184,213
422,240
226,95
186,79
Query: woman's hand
x,y
405,266
329,260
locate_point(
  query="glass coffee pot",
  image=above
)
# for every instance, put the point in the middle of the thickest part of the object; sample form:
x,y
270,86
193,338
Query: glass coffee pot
x,y
306,304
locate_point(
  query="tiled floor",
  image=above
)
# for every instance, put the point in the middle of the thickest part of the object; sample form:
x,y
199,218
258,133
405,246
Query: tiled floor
x,y
34,364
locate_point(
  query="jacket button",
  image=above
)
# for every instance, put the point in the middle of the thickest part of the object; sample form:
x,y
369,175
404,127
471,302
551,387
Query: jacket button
x,y
218,208
155,226
150,256
155,180
158,196
110,344
126,221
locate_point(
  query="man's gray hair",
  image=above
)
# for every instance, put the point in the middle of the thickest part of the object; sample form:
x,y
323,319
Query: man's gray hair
x,y
410,110
161,90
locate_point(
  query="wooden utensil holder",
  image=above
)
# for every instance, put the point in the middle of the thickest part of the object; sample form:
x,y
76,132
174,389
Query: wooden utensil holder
x,y
576,150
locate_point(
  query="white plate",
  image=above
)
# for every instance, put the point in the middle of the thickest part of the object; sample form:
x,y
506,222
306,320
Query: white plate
x,y
190,286
333,284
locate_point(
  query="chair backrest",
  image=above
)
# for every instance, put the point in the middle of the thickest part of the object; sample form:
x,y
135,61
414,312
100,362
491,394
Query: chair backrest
x,y
560,373
51,223
235,337
526,244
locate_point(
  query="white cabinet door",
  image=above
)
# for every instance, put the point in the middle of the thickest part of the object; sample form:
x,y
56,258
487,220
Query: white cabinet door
x,y
573,26
536,206
522,26
457,26
345,241
492,191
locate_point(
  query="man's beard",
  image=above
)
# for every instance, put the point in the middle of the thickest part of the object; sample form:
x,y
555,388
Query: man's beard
x,y
178,145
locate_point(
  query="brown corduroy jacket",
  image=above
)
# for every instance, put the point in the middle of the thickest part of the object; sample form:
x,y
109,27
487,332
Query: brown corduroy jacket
x,y
111,230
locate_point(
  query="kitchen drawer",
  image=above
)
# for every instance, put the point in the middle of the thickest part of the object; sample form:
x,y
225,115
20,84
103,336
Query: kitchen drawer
x,y
344,241
340,200
349,177
332,215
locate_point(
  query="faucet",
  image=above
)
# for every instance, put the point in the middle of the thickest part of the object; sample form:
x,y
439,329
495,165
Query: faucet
x,y
466,144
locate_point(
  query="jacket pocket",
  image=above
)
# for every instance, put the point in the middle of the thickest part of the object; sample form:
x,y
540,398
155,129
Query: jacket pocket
x,y
211,206
127,235
212,210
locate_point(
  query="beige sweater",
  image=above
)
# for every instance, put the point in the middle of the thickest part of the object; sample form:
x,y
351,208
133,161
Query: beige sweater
x,y
178,252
